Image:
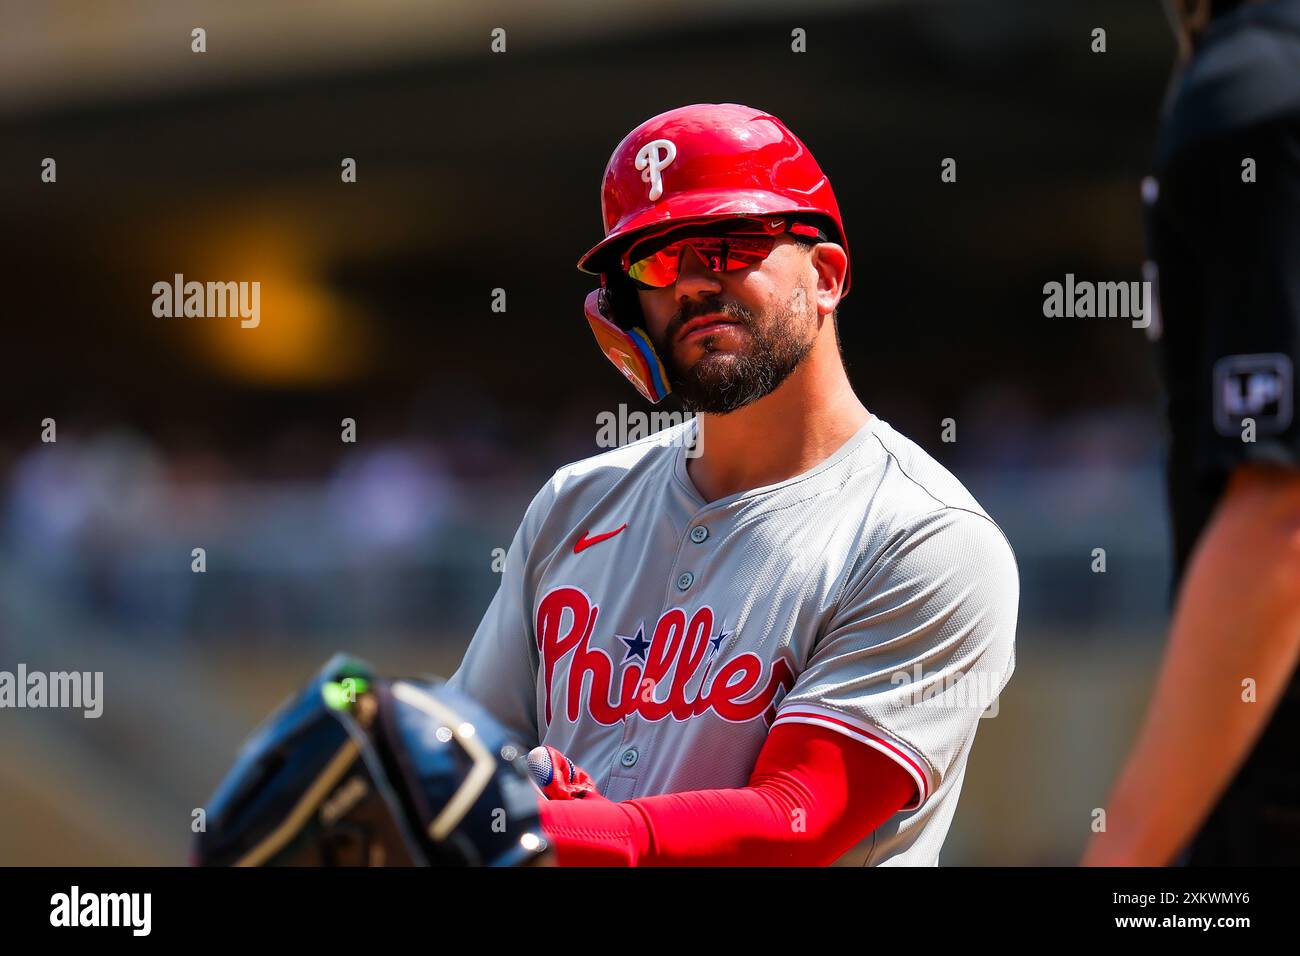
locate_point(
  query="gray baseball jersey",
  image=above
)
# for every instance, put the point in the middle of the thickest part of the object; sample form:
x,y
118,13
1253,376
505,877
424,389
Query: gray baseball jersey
x,y
656,638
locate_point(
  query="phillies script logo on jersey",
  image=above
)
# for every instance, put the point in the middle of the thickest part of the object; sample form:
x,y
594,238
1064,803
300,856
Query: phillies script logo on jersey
x,y
677,649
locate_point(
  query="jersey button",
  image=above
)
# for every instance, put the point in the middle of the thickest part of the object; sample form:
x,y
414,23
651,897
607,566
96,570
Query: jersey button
x,y
685,581
628,759
699,534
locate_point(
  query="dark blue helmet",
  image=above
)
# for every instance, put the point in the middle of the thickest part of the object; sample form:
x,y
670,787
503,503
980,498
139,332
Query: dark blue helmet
x,y
360,771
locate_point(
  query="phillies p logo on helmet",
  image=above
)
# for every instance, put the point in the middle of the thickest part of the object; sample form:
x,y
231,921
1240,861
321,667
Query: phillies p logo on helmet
x,y
653,159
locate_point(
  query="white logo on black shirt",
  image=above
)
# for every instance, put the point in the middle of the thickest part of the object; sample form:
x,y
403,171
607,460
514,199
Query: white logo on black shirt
x,y
1253,386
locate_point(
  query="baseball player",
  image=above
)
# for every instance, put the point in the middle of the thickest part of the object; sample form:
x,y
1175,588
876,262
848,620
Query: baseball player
x,y
1213,778
765,635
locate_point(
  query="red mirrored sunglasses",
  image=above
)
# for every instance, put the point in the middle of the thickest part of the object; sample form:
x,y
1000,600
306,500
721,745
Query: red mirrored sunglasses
x,y
654,261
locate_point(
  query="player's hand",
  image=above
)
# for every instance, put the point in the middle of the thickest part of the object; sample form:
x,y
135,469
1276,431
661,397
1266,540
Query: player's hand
x,y
559,778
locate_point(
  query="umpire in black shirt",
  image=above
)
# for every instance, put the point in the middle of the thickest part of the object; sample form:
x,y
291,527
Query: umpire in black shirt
x,y
1214,777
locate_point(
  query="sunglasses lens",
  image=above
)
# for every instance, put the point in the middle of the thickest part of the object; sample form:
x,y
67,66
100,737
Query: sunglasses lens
x,y
720,253
656,270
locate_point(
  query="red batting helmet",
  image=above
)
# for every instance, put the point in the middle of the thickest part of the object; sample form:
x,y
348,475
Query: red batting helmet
x,y
694,164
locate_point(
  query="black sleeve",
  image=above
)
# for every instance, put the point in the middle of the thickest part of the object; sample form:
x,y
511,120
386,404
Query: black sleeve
x,y
1228,260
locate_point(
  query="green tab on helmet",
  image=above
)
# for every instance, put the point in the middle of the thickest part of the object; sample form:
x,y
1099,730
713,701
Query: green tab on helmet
x,y
340,695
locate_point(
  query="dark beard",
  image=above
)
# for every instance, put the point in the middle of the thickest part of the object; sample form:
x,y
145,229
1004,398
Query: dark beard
x,y
720,383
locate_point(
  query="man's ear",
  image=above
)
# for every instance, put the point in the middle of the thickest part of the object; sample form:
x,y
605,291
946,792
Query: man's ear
x,y
832,265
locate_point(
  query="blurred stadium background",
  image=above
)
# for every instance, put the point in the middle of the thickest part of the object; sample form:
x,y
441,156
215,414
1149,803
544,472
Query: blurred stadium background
x,y
478,171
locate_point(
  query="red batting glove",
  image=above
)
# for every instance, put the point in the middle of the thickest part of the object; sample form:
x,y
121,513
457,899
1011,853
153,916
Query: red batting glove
x,y
559,778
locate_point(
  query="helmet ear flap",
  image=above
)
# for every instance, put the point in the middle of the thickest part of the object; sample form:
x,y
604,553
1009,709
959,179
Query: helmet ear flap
x,y
614,314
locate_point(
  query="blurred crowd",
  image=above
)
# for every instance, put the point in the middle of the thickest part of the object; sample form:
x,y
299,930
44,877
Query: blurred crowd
x,y
310,536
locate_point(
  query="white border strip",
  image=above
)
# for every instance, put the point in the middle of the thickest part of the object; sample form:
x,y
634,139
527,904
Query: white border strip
x,y
858,730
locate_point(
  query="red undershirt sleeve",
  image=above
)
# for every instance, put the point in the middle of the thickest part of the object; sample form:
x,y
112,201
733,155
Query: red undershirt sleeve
x,y
813,795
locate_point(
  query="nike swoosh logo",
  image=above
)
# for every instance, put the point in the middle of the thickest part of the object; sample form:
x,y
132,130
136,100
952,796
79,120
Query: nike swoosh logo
x,y
584,542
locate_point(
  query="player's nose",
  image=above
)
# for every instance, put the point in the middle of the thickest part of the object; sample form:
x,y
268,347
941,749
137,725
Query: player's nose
x,y
694,276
